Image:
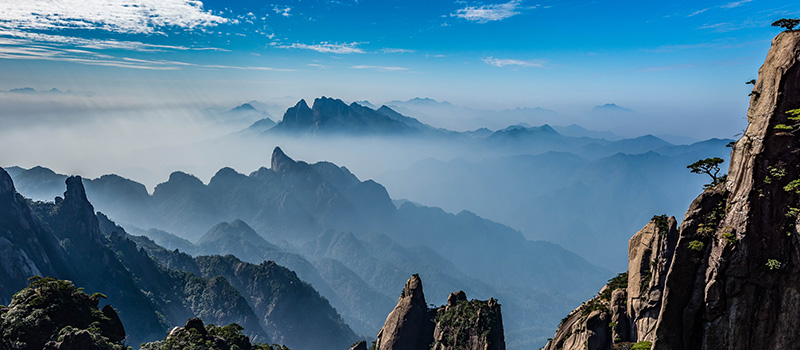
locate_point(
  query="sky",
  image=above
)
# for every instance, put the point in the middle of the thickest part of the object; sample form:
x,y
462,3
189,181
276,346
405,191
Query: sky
x,y
682,64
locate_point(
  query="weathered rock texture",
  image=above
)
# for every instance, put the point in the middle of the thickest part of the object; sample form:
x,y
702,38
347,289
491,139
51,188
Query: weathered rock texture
x,y
729,278
461,324
627,309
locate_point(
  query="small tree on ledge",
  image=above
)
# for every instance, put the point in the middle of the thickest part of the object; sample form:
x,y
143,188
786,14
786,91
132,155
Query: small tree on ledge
x,y
787,23
709,166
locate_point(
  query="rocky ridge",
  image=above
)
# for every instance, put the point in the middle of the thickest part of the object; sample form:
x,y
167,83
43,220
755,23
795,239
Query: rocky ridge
x,y
461,324
728,277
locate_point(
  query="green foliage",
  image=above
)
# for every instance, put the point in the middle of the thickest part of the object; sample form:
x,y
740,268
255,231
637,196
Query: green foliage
x,y
662,223
705,230
228,337
592,305
50,309
783,127
751,82
642,345
710,167
773,172
794,114
773,264
458,321
730,237
696,245
793,186
618,282
787,23
792,212
612,324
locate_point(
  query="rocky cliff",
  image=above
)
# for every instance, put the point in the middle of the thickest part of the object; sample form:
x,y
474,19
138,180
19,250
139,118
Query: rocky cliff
x,y
728,277
461,324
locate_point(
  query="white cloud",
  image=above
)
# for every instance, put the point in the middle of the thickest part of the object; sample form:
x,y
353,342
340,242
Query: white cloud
x,y
695,13
90,43
504,62
283,11
326,47
731,5
23,49
398,51
381,68
120,16
488,13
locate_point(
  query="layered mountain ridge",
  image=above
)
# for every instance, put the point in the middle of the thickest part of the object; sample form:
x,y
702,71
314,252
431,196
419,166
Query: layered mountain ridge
x,y
339,232
67,240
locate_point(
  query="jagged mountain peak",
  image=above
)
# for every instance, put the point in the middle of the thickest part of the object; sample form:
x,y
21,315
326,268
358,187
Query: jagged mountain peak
x,y
75,190
281,163
413,289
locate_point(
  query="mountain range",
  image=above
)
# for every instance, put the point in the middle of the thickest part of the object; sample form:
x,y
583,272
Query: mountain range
x,y
66,239
347,238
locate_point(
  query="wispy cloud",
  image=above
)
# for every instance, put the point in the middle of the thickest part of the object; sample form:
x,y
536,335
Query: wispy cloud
x,y
95,43
695,13
381,68
398,51
493,12
326,47
121,16
731,5
505,62
317,65
23,49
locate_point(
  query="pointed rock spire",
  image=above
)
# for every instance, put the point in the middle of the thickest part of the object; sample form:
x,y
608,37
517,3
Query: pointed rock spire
x,y
408,326
75,190
281,163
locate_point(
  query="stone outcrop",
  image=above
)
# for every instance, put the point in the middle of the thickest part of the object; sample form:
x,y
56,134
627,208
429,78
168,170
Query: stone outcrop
x,y
410,324
729,277
461,324
626,310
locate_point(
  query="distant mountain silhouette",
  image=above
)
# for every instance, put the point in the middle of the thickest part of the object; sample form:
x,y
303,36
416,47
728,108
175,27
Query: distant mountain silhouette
x,y
332,116
611,107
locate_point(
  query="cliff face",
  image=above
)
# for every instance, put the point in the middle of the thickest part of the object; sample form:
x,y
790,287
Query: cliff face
x,y
729,278
461,324
745,287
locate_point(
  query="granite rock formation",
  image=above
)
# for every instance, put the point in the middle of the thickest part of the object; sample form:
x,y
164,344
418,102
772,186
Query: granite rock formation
x,y
461,324
728,278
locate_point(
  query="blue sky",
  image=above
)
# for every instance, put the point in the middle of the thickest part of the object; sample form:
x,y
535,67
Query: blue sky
x,y
676,61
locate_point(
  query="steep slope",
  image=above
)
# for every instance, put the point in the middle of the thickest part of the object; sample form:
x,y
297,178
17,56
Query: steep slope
x,y
235,238
728,278
288,307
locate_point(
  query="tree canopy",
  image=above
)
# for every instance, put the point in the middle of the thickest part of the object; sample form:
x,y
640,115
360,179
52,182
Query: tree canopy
x,y
787,23
709,166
